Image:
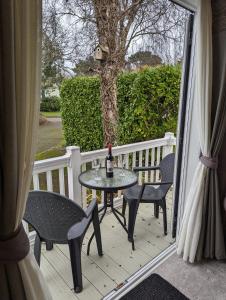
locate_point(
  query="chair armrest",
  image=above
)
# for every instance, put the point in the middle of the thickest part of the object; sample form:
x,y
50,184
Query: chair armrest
x,y
151,183
149,168
78,229
90,208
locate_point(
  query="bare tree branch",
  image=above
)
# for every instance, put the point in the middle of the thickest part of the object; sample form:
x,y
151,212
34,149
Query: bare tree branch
x,y
73,27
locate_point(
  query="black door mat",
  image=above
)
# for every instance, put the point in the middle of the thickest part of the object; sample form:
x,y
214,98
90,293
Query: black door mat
x,y
156,288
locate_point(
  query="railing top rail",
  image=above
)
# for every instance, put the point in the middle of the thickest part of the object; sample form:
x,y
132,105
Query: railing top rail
x,y
51,163
88,156
45,165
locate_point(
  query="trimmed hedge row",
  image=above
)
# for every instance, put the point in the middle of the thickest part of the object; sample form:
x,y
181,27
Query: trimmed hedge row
x,y
50,104
81,112
147,102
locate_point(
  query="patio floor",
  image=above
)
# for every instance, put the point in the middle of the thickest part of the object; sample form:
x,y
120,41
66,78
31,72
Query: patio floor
x,y
102,274
201,281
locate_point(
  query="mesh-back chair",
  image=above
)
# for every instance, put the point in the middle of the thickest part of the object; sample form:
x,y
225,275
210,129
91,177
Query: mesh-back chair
x,y
57,219
149,192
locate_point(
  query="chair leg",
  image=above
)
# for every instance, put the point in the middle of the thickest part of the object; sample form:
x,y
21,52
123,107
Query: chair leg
x,y
75,247
96,226
49,245
37,249
156,210
124,206
164,216
133,207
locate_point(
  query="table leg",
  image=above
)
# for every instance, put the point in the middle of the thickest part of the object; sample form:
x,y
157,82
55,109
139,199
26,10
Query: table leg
x,y
121,215
115,212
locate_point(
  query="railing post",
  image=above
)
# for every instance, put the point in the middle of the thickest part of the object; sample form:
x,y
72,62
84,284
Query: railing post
x,y
74,169
170,142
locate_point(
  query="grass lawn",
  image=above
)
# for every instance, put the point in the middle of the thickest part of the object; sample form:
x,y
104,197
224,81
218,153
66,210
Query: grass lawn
x,y
50,144
50,135
51,114
53,152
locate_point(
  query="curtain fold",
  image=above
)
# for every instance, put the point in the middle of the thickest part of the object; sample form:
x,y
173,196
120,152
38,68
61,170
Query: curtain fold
x,y
212,243
189,237
201,234
20,49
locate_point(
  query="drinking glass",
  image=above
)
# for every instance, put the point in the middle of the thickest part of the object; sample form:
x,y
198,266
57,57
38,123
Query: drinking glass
x,y
122,162
96,165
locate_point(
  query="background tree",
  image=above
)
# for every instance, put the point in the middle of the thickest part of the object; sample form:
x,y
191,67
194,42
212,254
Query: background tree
x,y
58,47
86,67
144,58
118,23
52,64
121,26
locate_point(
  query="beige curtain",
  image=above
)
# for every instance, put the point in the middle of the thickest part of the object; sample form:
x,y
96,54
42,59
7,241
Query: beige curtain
x,y
201,235
20,45
211,244
189,236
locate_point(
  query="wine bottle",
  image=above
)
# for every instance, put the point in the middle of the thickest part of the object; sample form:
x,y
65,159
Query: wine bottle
x,y
109,162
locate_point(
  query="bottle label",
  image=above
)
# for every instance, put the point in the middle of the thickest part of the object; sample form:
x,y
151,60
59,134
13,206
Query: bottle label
x,y
109,166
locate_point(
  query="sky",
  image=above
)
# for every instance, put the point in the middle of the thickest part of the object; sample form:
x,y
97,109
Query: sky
x,y
78,34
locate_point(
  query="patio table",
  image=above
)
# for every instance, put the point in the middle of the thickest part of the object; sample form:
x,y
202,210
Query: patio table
x,y
109,186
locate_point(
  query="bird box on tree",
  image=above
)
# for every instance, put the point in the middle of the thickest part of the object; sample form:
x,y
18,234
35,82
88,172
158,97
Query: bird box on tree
x,y
101,52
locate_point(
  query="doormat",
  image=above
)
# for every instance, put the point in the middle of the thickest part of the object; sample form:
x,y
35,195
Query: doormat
x,y
156,288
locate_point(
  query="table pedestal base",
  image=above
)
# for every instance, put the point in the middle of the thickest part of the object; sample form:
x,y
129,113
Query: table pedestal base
x,y
109,202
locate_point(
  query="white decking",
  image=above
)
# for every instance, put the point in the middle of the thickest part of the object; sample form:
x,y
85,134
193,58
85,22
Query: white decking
x,y
102,274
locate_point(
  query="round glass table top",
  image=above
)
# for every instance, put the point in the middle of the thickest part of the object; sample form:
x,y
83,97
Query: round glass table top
x,y
122,179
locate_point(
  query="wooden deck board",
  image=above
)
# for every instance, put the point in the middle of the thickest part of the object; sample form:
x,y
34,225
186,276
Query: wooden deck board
x,y
58,288
93,273
61,264
102,274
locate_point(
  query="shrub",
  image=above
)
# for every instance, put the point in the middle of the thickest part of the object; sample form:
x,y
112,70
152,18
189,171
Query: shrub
x,y
151,105
50,104
81,112
147,102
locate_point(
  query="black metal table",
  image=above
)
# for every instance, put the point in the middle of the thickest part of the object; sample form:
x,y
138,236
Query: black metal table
x,y
109,186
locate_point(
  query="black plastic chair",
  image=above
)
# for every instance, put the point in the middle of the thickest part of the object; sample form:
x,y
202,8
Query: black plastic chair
x,y
57,219
147,193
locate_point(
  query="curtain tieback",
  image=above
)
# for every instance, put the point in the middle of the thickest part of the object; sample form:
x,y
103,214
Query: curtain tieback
x,y
14,247
209,162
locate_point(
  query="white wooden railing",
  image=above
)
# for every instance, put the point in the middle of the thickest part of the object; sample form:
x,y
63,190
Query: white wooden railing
x,y
60,174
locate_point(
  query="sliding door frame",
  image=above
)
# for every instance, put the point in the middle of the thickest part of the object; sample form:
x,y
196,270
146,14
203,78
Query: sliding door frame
x,y
182,120
181,155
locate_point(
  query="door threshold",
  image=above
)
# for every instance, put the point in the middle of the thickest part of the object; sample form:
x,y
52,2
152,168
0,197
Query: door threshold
x,y
141,274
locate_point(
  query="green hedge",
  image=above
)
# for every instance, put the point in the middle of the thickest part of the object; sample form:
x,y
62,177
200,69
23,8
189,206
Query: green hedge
x,y
50,104
149,106
81,112
147,101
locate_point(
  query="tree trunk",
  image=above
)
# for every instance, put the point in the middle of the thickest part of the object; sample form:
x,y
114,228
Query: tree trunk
x,y
108,95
